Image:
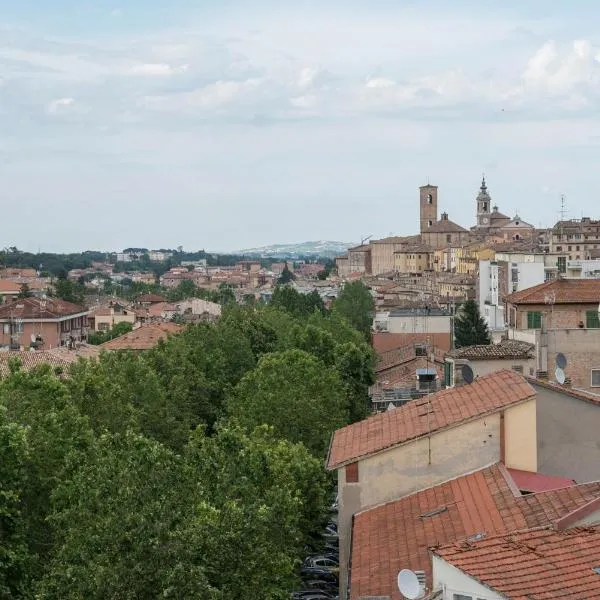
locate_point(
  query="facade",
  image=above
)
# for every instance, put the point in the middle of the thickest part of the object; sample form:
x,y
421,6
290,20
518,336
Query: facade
x,y
416,258
445,233
579,238
106,318
42,323
428,203
560,317
359,259
517,229
399,452
583,269
382,252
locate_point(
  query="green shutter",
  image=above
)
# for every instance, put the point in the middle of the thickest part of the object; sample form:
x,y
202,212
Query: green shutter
x,y
593,319
534,320
447,374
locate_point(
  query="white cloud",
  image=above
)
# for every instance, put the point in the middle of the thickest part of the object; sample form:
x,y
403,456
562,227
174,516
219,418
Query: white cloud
x,y
157,69
60,106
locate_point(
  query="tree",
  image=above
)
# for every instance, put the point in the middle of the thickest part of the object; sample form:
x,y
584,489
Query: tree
x,y
25,291
13,472
69,291
286,275
297,304
470,328
355,304
99,337
269,498
294,392
186,289
116,521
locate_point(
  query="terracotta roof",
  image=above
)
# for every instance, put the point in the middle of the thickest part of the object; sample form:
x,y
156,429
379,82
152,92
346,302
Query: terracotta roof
x,y
151,297
397,535
506,349
527,481
397,239
448,408
143,338
445,226
537,564
562,291
38,308
57,357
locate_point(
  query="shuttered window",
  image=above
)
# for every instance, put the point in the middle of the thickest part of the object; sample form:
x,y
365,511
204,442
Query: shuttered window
x,y
534,320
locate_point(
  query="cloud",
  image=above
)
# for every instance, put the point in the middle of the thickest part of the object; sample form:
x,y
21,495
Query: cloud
x,y
157,69
60,106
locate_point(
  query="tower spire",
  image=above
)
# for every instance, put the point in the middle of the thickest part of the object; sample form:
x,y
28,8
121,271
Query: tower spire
x,y
483,185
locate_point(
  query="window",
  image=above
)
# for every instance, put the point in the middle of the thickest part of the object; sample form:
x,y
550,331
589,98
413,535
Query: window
x,y
517,369
6,328
429,199
534,320
562,264
576,247
570,248
103,327
595,377
514,275
559,248
448,237
592,319
429,223
447,374
352,473
420,350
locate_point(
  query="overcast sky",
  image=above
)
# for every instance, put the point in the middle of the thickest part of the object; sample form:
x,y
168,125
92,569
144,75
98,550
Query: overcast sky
x,y
225,124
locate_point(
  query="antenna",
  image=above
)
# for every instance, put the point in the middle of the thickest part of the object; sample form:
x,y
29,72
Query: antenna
x,y
560,376
408,584
467,374
563,207
365,239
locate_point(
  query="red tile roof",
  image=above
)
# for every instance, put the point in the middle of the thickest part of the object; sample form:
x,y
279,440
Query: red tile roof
x,y
143,338
38,308
538,564
56,357
397,535
506,349
536,482
448,408
561,291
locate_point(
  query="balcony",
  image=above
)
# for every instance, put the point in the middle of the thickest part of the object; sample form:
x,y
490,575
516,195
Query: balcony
x,y
574,265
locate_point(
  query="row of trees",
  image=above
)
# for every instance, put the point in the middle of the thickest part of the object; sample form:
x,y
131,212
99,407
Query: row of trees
x,y
191,471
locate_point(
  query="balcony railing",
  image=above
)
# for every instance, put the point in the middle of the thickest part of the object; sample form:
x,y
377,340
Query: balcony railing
x,y
574,264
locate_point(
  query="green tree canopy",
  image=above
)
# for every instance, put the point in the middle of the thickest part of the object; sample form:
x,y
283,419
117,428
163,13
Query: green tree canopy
x,y
355,304
297,394
286,275
470,328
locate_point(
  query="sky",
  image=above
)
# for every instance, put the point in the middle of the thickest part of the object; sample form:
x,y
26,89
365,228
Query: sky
x,y
229,124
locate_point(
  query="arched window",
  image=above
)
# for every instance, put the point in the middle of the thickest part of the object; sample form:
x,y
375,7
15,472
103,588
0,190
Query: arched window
x,y
429,199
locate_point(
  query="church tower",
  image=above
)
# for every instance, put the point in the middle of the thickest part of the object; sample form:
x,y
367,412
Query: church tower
x,y
428,200
484,206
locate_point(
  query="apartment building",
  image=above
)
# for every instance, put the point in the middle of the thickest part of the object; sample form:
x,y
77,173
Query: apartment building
x,y
579,238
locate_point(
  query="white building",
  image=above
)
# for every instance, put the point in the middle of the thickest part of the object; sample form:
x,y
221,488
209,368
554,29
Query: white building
x,y
497,278
583,269
413,320
159,255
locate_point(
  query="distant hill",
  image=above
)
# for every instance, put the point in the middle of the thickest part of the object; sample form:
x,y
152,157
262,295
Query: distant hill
x,y
321,248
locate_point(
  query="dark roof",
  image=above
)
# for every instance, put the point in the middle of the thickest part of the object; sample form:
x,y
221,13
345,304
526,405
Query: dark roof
x,y
398,534
445,226
506,349
40,308
559,291
533,565
447,408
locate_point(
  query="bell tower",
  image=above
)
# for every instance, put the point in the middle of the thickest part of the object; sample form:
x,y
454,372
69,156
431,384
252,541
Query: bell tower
x,y
428,201
484,206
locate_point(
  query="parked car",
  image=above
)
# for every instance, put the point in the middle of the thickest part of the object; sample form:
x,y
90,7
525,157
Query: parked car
x,y
322,561
319,573
314,595
320,585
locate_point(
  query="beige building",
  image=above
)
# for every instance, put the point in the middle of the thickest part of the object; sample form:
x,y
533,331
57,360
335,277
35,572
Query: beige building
x,y
105,318
359,260
580,238
517,229
382,252
416,258
428,441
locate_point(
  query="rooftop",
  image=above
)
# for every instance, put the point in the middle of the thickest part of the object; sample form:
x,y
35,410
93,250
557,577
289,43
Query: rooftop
x,y
527,481
533,565
445,225
507,349
56,357
39,308
397,535
559,291
447,408
143,338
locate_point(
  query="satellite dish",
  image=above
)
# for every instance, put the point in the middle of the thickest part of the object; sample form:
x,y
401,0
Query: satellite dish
x,y
33,338
467,374
408,584
559,374
561,360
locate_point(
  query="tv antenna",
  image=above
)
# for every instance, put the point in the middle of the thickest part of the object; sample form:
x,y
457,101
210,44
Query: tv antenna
x,y
563,207
409,585
365,239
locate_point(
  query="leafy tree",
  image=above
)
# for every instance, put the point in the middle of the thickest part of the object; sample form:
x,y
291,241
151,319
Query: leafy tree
x,y
56,434
186,289
225,295
470,328
355,304
286,275
13,471
269,497
116,521
299,305
99,337
295,393
69,291
25,291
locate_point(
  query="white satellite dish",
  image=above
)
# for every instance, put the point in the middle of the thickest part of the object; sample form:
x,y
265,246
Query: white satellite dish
x,y
408,584
559,374
33,338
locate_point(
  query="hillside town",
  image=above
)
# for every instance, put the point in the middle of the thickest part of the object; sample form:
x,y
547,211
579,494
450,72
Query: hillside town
x,y
471,466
